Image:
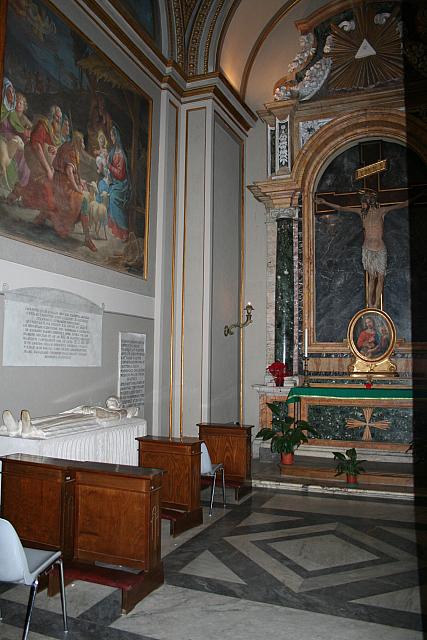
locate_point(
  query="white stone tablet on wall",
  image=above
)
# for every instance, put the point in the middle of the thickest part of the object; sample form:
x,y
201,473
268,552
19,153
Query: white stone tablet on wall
x,y
46,327
131,380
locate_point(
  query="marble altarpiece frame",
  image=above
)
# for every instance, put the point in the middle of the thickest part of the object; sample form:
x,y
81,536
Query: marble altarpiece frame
x,y
340,133
340,288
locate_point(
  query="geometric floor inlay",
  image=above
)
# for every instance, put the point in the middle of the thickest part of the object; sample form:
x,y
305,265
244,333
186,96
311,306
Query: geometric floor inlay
x,y
277,565
402,533
402,600
8,632
322,552
396,560
207,566
80,597
264,518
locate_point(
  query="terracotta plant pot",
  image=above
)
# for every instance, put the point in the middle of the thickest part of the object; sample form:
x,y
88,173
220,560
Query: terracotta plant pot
x,y
351,479
287,458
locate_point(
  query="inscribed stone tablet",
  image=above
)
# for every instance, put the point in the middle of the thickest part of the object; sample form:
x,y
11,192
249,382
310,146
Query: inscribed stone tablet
x,y
46,327
131,387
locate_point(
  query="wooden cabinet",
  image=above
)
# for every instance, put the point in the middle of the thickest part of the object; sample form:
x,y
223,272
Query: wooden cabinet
x,y
95,513
231,445
180,493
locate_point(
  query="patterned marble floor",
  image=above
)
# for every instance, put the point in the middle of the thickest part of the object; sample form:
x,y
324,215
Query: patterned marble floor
x,y
281,564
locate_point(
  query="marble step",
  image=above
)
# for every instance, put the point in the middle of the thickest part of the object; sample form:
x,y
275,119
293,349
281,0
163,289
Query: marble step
x,y
305,468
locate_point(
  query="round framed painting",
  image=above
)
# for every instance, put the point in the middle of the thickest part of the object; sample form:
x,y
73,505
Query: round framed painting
x,y
371,335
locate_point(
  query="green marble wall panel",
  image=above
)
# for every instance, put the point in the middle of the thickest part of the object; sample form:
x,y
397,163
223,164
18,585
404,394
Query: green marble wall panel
x,y
331,423
284,310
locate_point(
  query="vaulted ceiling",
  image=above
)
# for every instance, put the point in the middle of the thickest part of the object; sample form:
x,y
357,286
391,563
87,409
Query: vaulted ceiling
x,y
263,45
249,41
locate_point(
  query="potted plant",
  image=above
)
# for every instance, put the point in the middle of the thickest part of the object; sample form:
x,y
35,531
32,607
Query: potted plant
x,y
349,464
286,433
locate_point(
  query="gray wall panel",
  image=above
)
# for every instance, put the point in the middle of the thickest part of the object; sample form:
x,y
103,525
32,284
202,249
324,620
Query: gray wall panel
x,y
225,366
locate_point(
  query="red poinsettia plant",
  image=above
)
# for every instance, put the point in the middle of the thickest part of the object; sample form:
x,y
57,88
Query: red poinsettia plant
x,y
279,371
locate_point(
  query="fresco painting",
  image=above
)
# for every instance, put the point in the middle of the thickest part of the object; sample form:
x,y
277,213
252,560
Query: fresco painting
x,y
74,145
143,14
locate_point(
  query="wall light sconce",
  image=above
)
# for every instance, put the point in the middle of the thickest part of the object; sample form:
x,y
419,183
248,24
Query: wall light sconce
x,y
228,330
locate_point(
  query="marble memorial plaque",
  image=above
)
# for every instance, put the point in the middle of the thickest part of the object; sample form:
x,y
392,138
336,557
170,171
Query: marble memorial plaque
x,y
46,327
131,386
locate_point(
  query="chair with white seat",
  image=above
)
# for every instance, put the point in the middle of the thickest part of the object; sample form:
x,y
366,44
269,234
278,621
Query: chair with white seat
x,y
22,565
210,470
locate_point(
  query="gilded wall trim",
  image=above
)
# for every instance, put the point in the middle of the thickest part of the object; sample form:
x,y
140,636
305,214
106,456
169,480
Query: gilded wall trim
x,y
211,29
184,253
196,34
173,258
177,26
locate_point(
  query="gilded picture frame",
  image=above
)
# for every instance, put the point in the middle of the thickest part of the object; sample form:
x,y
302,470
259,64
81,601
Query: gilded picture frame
x,y
75,132
371,337
142,16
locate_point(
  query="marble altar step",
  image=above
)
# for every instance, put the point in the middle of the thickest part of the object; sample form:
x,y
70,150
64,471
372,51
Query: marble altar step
x,y
267,474
376,473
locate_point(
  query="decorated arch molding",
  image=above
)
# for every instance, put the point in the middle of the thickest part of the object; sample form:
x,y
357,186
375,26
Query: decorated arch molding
x,y
333,138
322,148
343,132
300,184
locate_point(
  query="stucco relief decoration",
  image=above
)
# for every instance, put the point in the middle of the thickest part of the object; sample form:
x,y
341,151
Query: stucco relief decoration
x,y
314,79
309,128
288,86
283,144
302,57
364,50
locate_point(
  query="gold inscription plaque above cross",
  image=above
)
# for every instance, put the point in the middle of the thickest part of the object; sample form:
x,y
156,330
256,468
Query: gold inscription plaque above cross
x,y
371,203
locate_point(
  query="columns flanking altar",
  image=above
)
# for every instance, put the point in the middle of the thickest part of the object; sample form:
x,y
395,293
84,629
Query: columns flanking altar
x,y
283,276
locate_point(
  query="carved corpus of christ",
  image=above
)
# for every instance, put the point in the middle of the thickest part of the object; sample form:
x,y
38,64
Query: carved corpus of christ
x,y
374,251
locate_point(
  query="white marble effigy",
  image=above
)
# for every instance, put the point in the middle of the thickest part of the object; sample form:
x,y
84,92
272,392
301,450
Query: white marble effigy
x,y
113,441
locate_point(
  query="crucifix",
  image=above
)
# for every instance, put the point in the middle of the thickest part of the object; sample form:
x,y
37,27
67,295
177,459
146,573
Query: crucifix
x,y
364,202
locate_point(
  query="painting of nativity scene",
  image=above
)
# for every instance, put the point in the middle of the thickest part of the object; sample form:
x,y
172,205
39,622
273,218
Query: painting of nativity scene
x,y
74,145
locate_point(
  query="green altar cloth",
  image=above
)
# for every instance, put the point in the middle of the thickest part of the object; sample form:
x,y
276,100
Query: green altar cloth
x,y
354,393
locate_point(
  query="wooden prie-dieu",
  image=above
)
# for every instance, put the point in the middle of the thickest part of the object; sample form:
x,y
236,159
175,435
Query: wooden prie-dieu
x,y
105,518
180,493
230,444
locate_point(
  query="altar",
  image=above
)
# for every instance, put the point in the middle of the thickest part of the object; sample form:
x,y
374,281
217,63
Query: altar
x,y
113,442
377,418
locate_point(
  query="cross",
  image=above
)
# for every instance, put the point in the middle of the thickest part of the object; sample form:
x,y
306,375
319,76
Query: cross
x,y
353,423
369,153
372,209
